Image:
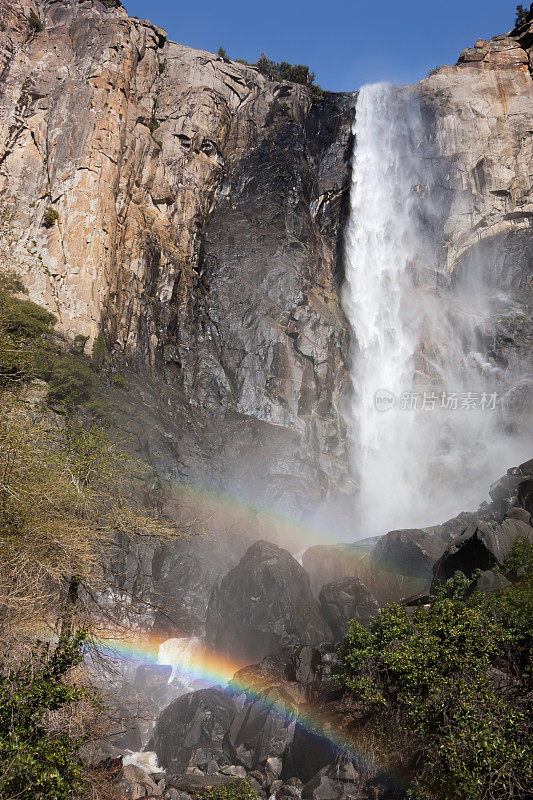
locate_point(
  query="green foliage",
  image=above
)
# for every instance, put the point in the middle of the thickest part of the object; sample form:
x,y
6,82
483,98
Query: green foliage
x,y
236,790
34,22
521,15
98,351
161,67
34,761
425,682
78,345
153,124
283,71
111,3
222,53
50,217
520,557
276,109
22,326
119,381
71,381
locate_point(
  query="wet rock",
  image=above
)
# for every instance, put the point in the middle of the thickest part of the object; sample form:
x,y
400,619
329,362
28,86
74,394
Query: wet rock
x,y
197,719
345,600
273,767
263,605
525,495
483,545
184,573
262,729
519,513
136,783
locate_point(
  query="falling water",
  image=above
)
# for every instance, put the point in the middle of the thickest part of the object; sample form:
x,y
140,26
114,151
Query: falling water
x,y
417,461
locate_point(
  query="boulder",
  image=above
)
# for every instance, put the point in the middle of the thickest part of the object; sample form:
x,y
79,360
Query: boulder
x,y
335,782
136,783
198,718
525,495
489,582
483,545
262,730
410,552
519,513
344,600
262,605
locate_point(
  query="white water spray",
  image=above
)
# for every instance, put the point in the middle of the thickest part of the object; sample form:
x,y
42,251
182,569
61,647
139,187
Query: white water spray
x,y
417,462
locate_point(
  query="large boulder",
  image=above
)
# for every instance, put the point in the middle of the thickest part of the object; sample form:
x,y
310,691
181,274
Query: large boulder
x,y
410,552
262,605
482,546
344,600
335,782
262,729
198,718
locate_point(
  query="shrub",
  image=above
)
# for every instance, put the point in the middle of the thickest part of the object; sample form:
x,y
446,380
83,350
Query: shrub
x,y
98,351
276,109
153,124
34,22
427,687
283,71
161,67
111,3
222,53
119,381
71,381
78,345
50,217
35,762
236,790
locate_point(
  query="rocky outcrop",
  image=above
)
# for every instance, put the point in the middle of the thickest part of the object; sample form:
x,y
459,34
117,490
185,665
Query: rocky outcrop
x,y
263,605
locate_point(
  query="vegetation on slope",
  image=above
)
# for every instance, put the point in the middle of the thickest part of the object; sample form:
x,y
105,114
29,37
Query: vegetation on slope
x,y
448,689
66,499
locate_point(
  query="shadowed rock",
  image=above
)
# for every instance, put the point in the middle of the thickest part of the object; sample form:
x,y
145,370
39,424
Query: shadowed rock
x,y
198,718
483,545
345,600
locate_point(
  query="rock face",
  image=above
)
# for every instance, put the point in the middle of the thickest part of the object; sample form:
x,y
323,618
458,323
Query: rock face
x,y
196,230
263,605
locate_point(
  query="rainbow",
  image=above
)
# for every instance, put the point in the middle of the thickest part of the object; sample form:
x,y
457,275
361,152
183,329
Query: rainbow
x,y
220,671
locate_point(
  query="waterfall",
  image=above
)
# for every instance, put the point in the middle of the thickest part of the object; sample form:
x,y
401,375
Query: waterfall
x,y
423,415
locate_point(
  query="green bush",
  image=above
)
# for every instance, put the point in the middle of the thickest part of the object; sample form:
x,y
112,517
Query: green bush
x,y
50,217
236,790
222,53
119,381
71,381
283,71
34,762
427,687
276,109
98,351
111,3
34,22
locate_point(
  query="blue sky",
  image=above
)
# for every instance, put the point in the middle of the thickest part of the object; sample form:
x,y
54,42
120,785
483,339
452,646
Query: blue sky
x,y
346,43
